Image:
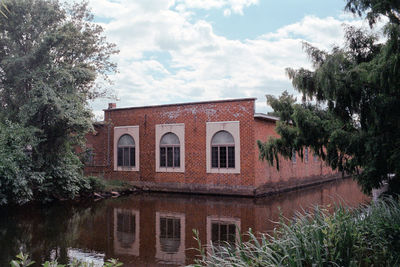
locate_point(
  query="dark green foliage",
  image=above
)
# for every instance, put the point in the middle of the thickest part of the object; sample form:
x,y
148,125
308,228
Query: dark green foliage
x,y
50,58
17,174
350,110
364,237
97,184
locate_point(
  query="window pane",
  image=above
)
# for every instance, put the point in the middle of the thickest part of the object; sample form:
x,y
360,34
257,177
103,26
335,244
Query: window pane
x,y
163,227
215,232
224,232
170,228
120,156
231,157
177,227
132,156
177,157
169,139
126,140
214,157
232,233
162,156
222,157
126,156
222,138
169,156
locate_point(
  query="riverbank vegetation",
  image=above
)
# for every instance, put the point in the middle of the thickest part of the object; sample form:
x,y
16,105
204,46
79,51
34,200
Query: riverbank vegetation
x,y
350,109
367,236
24,261
53,60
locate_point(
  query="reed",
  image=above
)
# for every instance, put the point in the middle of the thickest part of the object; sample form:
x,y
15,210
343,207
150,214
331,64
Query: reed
x,y
367,236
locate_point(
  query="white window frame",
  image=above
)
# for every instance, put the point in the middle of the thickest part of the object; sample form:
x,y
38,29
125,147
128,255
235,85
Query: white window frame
x,y
232,127
134,132
179,130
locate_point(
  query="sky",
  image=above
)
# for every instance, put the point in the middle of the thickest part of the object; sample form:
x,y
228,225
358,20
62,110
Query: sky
x,y
176,51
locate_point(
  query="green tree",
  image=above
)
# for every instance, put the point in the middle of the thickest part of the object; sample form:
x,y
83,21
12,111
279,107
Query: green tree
x,y
52,60
350,107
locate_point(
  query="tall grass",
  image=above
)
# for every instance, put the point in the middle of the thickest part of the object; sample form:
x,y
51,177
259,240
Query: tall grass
x,y
368,236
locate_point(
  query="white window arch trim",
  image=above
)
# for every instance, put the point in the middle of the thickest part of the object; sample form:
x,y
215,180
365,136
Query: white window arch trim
x,y
232,127
132,131
179,130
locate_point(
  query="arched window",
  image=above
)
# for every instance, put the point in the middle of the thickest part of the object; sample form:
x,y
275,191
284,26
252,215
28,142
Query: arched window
x,y
222,150
170,155
126,151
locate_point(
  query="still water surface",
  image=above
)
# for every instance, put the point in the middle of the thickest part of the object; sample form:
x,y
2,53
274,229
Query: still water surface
x,y
151,229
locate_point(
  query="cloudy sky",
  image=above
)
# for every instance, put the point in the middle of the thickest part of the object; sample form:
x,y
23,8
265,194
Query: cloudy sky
x,y
174,51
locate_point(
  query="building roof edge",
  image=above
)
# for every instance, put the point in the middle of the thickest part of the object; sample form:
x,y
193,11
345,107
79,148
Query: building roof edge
x,y
264,116
185,104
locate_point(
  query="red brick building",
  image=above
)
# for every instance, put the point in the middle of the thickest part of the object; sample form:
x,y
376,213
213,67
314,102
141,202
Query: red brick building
x,y
204,147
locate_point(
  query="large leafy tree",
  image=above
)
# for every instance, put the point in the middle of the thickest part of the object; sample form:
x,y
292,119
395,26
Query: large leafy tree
x,y
350,110
52,59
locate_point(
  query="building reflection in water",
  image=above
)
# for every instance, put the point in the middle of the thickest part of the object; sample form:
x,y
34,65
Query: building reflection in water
x,y
126,231
170,238
222,231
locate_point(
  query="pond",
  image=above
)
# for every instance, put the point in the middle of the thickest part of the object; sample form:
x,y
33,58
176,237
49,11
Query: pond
x,y
152,229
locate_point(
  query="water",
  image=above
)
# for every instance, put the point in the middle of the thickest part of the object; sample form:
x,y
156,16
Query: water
x,y
151,229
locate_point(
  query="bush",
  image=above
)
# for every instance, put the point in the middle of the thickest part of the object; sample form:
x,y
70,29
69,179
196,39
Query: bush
x,y
368,236
96,184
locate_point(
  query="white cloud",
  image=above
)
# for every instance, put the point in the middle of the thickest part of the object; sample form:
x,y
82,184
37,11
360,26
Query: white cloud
x,y
169,57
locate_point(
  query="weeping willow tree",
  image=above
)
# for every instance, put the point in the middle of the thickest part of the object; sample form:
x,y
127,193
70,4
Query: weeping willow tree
x,y
350,110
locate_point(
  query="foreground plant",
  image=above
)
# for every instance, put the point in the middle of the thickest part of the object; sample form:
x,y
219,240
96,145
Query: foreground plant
x,y
368,236
22,260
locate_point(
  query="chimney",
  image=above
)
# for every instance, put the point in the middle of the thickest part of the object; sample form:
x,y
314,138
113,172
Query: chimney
x,y
112,105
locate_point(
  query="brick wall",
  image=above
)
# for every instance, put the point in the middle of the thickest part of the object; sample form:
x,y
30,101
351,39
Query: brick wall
x,y
254,173
290,174
194,116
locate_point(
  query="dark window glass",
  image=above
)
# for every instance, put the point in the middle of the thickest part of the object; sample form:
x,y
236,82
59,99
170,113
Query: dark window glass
x,y
163,227
231,157
170,227
126,156
215,232
126,151
162,156
223,232
169,157
170,234
232,233
132,156
177,154
120,156
223,229
222,157
177,227
214,157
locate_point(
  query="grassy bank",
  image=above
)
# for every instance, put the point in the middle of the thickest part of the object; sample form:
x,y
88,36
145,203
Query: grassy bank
x,y
368,236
